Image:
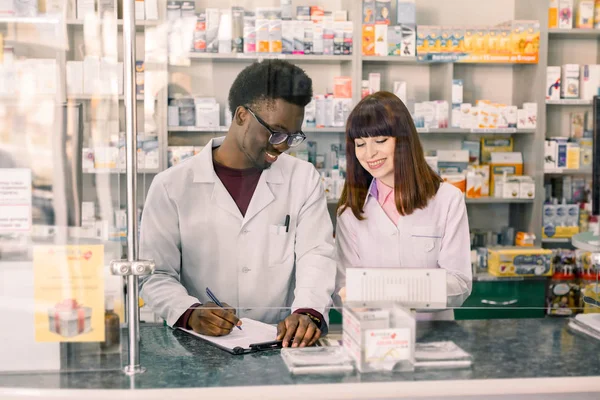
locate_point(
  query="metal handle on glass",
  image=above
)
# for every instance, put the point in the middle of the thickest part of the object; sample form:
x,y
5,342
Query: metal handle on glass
x,y
500,303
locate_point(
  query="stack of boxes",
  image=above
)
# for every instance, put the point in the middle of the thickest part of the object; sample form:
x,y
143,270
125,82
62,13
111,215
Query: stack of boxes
x,y
94,76
574,151
144,9
331,109
572,81
563,15
177,154
567,206
112,155
380,37
270,30
201,112
485,168
511,42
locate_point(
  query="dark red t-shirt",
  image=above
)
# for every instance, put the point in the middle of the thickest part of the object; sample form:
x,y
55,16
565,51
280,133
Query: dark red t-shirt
x,y
240,183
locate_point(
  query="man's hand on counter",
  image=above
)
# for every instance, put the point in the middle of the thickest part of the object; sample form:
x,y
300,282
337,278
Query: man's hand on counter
x,y
299,327
209,319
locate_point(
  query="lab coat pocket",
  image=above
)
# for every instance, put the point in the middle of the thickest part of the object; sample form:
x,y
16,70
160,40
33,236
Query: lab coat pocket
x,y
278,245
425,243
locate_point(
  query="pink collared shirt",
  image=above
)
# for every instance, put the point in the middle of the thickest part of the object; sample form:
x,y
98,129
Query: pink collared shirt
x,y
386,199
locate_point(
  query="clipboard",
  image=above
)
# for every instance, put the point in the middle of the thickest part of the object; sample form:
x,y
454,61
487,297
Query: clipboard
x,y
254,336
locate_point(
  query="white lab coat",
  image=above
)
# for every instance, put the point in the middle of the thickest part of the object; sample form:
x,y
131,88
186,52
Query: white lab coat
x,y
434,237
195,233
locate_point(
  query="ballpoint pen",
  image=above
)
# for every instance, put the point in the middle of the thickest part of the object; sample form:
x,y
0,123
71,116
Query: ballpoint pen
x,y
217,302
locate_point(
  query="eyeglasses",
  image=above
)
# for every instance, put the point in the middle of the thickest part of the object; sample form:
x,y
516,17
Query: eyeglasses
x,y
278,137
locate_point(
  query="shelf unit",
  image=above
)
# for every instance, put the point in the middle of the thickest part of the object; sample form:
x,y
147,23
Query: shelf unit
x,y
566,171
506,83
569,102
568,46
212,74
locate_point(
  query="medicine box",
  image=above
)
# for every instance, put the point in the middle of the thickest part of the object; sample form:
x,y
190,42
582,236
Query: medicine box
x,y
553,83
506,187
74,71
565,14
457,91
406,12
490,145
287,37
526,187
474,149
561,152
374,82
573,156
550,155
553,14
484,171
400,91
530,115
368,17
519,262
585,14
589,80
368,40
275,36
381,40
452,161
569,87
85,7
394,40
510,163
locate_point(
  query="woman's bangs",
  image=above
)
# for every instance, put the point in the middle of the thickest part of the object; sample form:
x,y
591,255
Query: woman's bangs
x,y
368,124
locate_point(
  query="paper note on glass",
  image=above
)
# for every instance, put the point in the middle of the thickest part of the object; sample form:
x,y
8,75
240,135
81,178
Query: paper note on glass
x,y
238,341
413,287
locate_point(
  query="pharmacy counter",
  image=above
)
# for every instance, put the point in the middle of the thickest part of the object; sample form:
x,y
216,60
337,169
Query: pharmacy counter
x,y
536,355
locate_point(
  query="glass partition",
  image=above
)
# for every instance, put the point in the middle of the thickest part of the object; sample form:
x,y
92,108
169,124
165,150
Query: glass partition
x,y
256,197
61,189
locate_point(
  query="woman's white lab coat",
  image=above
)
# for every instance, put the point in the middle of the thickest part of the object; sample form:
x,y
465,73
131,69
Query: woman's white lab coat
x,y
194,231
434,237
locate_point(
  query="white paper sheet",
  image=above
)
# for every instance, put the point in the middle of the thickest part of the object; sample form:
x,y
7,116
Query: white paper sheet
x,y
252,332
413,287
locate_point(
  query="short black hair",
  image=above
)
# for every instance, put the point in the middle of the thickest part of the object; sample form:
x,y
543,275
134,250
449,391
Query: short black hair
x,y
270,80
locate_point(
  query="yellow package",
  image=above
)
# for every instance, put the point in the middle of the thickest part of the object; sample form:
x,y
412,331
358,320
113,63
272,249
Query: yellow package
x,y
481,40
591,293
435,39
501,162
494,144
553,14
504,39
470,34
519,261
446,39
423,45
458,40
532,38
493,38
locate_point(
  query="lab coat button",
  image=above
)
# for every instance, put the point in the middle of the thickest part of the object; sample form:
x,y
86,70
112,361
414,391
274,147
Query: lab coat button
x,y
245,270
245,231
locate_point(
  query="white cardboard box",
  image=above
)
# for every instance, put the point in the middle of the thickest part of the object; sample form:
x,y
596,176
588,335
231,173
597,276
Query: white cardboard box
x,y
589,80
553,83
565,7
151,9
74,70
569,82
140,10
91,75
85,7
549,155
